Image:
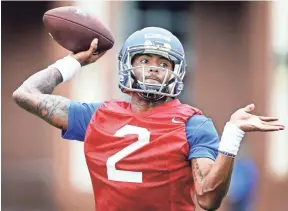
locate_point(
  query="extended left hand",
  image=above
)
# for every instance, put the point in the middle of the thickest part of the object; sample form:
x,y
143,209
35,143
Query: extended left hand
x,y
249,122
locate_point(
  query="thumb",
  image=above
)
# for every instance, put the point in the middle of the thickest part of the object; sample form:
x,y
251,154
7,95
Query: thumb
x,y
93,46
249,108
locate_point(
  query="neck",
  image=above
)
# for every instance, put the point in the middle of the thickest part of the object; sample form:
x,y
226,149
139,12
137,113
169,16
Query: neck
x,y
138,104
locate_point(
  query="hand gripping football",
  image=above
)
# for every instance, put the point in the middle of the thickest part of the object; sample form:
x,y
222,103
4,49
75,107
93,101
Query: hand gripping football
x,y
74,29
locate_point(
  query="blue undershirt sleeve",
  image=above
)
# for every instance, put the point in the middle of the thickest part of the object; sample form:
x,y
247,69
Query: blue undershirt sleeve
x,y
79,116
202,138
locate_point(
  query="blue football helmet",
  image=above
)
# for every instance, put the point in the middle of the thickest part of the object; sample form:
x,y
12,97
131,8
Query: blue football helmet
x,y
152,40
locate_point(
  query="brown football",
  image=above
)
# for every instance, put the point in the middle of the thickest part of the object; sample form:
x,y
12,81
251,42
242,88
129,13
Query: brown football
x,y
74,29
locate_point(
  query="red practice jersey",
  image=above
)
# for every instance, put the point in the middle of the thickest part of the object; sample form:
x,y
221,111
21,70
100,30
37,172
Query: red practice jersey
x,y
138,161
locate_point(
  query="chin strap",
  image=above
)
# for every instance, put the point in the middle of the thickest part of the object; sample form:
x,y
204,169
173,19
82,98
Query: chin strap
x,y
151,97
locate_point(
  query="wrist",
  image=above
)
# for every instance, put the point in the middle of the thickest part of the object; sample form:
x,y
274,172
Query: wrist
x,y
67,66
78,59
231,139
236,123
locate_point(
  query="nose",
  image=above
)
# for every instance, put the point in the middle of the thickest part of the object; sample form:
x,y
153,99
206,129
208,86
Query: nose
x,y
153,69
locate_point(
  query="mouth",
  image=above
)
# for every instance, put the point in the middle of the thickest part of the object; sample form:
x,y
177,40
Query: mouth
x,y
151,78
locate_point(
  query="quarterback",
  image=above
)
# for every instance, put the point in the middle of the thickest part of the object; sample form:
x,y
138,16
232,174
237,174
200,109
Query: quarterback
x,y
153,153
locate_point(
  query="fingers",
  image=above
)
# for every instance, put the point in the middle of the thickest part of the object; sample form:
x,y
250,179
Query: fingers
x,y
268,118
271,122
96,57
93,47
93,51
268,128
249,108
276,124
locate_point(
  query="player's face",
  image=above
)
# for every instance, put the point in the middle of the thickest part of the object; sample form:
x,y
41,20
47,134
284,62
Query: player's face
x,y
153,75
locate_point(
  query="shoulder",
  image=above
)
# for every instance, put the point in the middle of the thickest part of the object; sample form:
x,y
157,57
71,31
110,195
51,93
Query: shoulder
x,y
200,128
89,106
115,104
202,137
198,119
198,122
79,116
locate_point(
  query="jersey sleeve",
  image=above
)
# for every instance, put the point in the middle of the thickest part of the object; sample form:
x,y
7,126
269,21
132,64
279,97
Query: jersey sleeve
x,y
202,138
79,116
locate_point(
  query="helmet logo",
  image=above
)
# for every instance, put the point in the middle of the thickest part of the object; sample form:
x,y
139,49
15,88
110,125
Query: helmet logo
x,y
157,36
148,42
157,44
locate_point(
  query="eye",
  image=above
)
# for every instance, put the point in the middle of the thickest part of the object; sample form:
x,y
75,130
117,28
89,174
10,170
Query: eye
x,y
144,61
163,64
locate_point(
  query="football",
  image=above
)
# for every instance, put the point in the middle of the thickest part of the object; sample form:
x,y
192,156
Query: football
x,y
74,29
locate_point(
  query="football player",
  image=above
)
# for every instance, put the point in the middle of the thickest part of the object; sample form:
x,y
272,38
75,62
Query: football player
x,y
153,153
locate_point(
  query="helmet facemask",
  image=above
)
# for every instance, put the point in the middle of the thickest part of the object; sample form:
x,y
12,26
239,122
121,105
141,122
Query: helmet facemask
x,y
172,84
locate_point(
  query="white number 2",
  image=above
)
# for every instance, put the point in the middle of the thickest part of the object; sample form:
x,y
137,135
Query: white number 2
x,y
122,175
